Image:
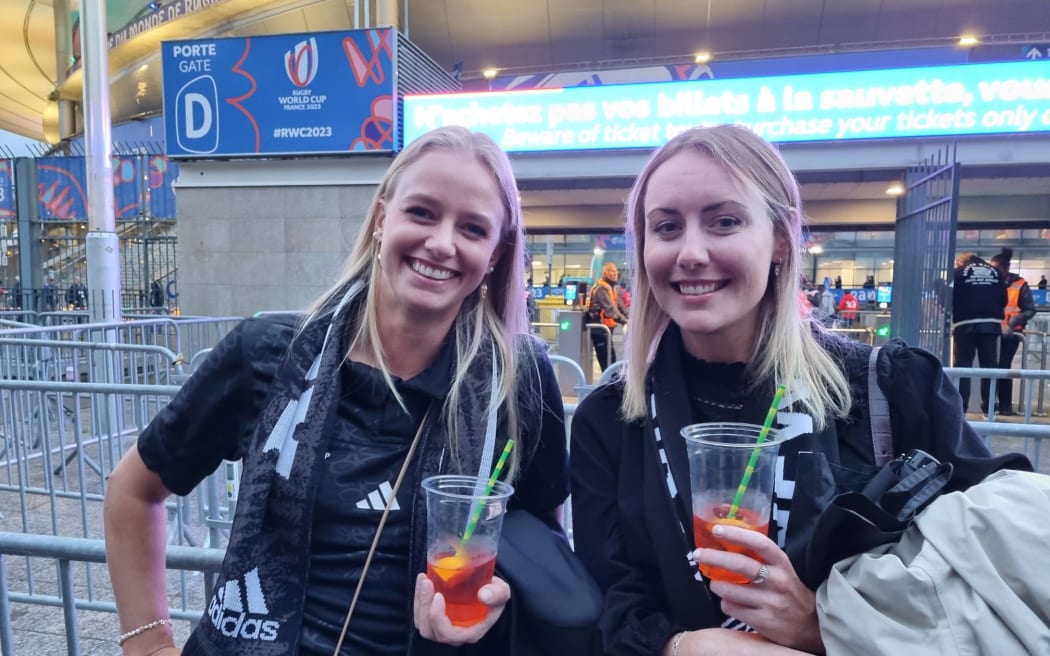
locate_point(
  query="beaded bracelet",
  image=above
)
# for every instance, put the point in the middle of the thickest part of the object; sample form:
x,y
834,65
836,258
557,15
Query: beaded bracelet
x,y
123,637
676,641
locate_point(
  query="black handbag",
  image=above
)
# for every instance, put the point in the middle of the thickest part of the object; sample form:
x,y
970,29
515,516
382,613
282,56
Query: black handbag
x,y
856,522
555,602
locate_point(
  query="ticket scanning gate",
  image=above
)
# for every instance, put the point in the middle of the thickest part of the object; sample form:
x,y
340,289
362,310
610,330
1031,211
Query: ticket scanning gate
x,y
574,342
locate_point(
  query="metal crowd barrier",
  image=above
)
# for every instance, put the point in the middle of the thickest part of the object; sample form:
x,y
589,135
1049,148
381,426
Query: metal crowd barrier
x,y
608,339
68,552
856,333
181,335
1031,433
59,441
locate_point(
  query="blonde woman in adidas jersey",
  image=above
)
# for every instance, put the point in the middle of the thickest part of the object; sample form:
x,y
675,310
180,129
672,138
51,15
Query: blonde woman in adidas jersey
x,y
322,410
715,225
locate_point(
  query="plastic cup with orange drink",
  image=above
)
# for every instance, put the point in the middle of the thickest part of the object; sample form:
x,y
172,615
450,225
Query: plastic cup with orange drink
x,y
722,492
461,550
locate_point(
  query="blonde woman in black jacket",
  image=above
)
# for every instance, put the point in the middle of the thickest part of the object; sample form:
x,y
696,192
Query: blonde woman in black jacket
x,y
716,226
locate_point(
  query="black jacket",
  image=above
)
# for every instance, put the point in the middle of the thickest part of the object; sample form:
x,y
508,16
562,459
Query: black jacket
x,y
979,292
627,528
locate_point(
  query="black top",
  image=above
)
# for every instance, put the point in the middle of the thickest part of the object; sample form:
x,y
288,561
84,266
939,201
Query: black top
x,y
360,467
628,529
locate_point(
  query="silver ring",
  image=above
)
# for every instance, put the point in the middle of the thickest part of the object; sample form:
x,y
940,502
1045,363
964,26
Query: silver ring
x,y
762,576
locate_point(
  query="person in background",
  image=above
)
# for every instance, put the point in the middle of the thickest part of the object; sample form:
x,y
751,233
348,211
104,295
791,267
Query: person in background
x,y
1042,282
76,295
978,295
606,307
322,409
827,303
156,295
715,223
531,305
848,308
1020,307
50,295
838,282
869,282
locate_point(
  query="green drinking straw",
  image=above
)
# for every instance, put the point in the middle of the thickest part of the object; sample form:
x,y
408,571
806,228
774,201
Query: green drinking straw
x,y
750,469
472,523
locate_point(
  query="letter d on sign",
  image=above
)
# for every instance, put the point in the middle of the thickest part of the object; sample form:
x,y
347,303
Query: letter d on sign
x,y
197,116
193,100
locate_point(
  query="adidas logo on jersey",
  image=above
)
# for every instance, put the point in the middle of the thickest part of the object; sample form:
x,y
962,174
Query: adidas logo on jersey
x,y
239,610
378,498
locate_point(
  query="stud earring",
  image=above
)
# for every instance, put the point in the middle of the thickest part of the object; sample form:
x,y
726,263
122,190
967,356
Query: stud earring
x,y
776,269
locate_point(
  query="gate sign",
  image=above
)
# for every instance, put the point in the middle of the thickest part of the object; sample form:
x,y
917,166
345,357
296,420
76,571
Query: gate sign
x,y
7,190
1003,98
327,92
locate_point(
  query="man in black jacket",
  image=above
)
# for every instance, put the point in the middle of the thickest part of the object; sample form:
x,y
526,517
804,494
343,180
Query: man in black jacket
x,y
978,299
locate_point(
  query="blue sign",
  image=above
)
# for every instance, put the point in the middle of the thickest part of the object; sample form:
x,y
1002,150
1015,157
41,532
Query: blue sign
x,y
61,187
127,187
328,92
971,99
162,176
7,190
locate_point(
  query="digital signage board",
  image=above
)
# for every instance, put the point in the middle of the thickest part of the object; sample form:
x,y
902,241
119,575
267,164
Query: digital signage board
x,y
970,99
326,92
7,189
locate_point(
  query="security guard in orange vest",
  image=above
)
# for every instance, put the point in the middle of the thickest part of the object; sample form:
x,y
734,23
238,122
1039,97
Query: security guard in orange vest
x,y
1020,307
606,308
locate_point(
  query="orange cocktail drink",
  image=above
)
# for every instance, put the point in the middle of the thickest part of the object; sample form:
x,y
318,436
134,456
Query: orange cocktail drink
x,y
458,577
719,456
710,517
463,527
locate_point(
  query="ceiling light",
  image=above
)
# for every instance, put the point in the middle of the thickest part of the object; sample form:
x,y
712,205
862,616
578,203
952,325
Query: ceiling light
x,y
895,189
816,249
968,41
489,73
702,57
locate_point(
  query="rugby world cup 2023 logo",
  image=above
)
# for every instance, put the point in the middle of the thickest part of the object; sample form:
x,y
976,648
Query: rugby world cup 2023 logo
x,y
300,63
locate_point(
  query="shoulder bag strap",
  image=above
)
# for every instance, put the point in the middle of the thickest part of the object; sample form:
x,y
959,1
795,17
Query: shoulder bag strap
x,y
379,530
879,414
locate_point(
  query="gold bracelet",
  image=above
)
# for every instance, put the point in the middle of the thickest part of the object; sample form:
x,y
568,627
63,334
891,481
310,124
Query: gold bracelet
x,y
124,637
675,641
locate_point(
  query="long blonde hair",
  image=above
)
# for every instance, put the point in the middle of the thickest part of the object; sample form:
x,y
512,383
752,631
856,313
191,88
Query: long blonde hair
x,y
785,348
500,312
